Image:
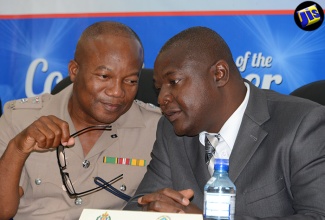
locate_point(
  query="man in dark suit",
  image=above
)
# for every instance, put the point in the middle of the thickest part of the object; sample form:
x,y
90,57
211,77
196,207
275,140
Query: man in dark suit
x,y
277,142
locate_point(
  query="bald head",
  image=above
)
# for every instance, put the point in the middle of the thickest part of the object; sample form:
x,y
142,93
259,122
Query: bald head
x,y
105,28
105,72
200,43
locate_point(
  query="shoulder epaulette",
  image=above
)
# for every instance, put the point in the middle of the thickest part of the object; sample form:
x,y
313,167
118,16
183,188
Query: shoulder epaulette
x,y
148,106
28,103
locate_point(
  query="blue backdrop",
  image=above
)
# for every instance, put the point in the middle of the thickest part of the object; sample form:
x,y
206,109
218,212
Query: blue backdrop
x,y
269,50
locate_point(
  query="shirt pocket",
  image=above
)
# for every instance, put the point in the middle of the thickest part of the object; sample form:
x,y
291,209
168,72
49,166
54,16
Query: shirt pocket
x,y
44,175
269,200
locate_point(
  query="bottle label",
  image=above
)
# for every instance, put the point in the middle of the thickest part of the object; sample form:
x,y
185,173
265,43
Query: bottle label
x,y
220,205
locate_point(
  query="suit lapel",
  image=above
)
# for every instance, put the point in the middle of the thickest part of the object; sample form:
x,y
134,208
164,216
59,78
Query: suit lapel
x,y
248,140
195,153
250,134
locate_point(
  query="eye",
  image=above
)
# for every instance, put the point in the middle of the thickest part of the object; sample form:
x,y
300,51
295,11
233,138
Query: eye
x,y
173,82
132,81
103,76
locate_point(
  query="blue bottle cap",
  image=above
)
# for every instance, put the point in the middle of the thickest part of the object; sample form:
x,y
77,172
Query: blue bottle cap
x,y
221,164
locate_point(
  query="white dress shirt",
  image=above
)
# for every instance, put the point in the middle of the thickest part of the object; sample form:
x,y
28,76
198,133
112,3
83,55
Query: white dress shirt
x,y
228,132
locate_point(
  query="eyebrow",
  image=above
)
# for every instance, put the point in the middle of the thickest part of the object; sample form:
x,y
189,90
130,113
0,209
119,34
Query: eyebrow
x,y
169,73
102,67
165,76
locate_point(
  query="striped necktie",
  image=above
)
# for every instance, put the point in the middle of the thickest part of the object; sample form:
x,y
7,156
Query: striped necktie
x,y
211,141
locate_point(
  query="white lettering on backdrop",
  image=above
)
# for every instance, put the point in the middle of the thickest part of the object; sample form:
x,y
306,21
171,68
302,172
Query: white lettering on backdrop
x,y
258,60
49,79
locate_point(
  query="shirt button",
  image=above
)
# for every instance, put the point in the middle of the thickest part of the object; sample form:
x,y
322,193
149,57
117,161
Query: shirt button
x,y
78,201
38,181
123,187
85,164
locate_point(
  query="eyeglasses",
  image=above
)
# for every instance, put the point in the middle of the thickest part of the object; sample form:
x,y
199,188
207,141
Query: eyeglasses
x,y
100,182
63,165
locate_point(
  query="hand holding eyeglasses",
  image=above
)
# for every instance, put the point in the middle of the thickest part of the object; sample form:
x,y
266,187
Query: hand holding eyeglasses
x,y
44,133
60,153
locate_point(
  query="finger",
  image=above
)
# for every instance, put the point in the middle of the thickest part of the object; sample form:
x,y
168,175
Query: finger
x,y
166,195
176,196
69,143
64,132
60,130
49,132
187,193
29,139
152,197
44,134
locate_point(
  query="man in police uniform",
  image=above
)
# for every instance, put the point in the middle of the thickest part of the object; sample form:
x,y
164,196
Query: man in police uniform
x,y
105,72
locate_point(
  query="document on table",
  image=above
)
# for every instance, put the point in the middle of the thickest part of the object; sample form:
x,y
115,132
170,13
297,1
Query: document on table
x,y
102,214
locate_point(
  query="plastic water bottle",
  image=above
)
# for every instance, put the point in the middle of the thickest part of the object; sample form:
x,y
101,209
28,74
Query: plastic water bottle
x,y
219,193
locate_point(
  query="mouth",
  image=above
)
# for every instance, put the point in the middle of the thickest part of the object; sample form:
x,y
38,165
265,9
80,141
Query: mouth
x,y
111,107
172,115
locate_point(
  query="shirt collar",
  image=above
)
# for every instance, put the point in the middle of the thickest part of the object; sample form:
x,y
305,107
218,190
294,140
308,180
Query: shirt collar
x,y
132,118
230,129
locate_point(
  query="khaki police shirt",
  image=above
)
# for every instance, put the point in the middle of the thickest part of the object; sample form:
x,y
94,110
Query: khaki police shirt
x,y
132,136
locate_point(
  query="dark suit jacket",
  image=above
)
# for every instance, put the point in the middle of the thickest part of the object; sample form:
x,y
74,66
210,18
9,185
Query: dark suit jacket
x,y
277,163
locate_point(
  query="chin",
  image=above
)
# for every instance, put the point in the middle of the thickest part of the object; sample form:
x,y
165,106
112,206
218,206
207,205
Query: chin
x,y
179,133
109,119
184,131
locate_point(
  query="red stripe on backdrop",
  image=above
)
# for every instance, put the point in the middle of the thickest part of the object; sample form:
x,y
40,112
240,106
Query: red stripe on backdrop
x,y
142,14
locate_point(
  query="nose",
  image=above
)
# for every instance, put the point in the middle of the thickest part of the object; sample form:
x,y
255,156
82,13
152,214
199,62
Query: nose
x,y
115,89
164,97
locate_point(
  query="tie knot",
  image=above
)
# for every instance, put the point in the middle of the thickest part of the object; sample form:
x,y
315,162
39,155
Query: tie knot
x,y
211,141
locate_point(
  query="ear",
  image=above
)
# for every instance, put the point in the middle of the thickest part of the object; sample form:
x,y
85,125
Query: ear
x,y
221,72
73,69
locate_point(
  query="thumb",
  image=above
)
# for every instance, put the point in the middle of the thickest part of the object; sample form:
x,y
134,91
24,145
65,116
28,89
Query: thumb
x,y
70,142
187,193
